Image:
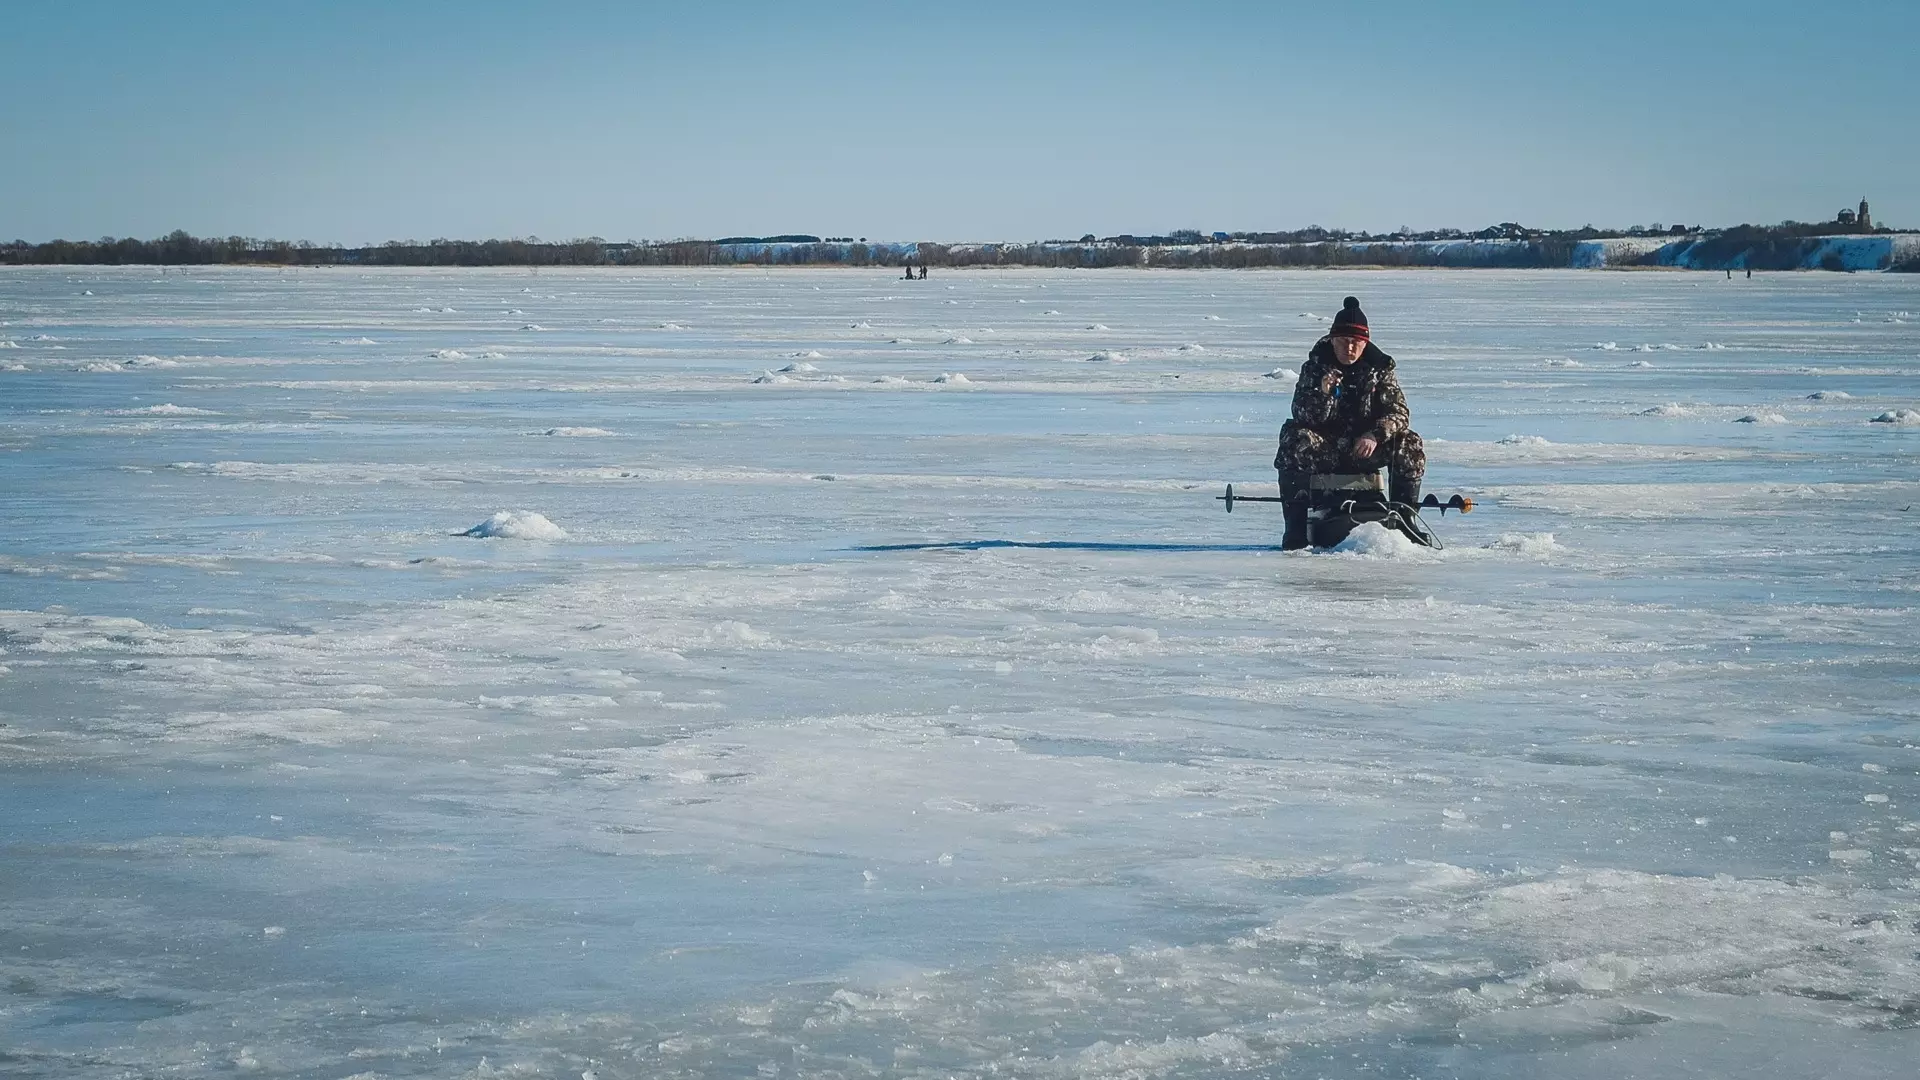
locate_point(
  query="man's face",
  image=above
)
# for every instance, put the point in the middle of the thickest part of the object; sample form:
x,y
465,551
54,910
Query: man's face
x,y
1348,349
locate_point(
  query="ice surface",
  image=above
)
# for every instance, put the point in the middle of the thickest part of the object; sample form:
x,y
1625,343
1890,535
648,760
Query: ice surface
x,y
866,729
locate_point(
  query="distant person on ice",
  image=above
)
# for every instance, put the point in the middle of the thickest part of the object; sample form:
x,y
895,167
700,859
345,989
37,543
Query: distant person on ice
x,y
1349,416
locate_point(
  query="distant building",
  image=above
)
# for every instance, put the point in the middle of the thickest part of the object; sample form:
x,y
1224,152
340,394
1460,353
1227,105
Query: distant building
x,y
1865,217
1861,219
1846,218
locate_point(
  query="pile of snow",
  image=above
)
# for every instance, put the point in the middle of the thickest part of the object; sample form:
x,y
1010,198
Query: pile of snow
x,y
953,378
43,337
532,326
863,325
890,380
766,377
448,354
1643,348
1376,540
1191,347
99,365
5,344
578,432
517,525
958,339
1531,545
15,367
810,354
1522,440
490,355
1607,346
1898,416
353,341
1670,409
1211,318
1106,357
1712,346
1283,374
1049,311
669,326
901,341
1098,326
163,410
1641,364
1563,361
150,362
1829,395
799,367
1760,418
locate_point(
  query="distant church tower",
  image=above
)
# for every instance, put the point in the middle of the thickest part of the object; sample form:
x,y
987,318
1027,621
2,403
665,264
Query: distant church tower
x,y
1865,218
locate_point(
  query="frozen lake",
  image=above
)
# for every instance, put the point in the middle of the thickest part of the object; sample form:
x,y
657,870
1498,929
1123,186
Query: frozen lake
x,y
768,767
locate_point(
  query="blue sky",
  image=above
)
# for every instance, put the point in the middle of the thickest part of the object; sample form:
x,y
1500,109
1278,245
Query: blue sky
x,y
354,122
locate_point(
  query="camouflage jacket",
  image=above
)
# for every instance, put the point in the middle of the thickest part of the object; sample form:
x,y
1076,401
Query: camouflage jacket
x,y
1348,402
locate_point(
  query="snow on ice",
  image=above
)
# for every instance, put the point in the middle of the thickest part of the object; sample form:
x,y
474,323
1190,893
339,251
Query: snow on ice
x,y
517,525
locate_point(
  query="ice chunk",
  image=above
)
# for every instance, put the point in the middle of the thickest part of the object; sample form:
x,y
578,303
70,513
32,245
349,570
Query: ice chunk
x,y
1531,545
1898,416
1671,409
448,354
1829,395
958,339
799,366
517,525
1563,361
767,377
953,378
1760,418
1105,356
578,432
1282,374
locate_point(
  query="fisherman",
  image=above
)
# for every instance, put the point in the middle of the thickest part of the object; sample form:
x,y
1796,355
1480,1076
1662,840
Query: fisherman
x,y
1349,416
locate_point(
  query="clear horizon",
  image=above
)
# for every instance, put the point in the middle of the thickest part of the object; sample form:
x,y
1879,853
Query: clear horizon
x,y
355,123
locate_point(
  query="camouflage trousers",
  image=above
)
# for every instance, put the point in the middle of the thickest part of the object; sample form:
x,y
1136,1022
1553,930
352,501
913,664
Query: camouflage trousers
x,y
1304,452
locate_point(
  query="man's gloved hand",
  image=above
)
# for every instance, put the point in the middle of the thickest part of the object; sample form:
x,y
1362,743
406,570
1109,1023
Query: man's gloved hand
x,y
1364,447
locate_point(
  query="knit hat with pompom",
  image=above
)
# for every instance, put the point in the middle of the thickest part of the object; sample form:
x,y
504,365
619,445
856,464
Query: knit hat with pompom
x,y
1351,322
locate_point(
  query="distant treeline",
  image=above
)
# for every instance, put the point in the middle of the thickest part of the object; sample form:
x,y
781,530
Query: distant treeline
x,y
1781,246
